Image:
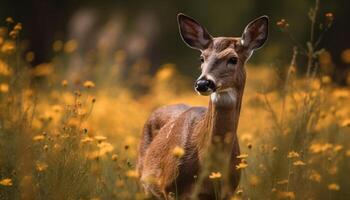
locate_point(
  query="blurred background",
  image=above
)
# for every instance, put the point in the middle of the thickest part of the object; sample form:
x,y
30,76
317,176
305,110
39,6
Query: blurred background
x,y
147,31
78,79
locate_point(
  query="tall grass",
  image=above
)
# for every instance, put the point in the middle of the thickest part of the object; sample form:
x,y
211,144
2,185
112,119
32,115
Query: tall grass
x,y
66,139
303,154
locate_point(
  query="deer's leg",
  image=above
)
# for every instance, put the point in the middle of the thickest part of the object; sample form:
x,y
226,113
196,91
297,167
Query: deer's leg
x,y
148,134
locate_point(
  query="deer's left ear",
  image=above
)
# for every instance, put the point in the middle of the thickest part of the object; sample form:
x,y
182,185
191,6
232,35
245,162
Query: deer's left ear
x,y
255,33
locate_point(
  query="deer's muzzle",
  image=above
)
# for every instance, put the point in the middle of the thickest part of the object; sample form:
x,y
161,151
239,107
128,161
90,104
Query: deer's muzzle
x,y
204,86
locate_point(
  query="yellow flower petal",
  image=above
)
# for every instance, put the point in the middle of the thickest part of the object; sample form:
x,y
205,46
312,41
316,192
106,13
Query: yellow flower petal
x,y
6,182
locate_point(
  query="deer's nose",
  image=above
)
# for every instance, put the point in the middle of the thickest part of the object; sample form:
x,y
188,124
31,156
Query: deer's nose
x,y
204,86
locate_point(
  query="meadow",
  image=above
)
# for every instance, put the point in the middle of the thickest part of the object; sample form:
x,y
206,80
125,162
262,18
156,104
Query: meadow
x,y
77,138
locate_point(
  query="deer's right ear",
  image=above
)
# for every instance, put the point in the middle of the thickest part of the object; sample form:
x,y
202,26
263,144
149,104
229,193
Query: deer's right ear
x,y
255,34
192,33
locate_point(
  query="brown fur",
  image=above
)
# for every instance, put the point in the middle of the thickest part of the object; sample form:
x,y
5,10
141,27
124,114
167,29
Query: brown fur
x,y
197,130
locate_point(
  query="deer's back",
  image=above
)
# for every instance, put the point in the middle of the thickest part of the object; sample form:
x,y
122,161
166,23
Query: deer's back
x,y
161,164
159,118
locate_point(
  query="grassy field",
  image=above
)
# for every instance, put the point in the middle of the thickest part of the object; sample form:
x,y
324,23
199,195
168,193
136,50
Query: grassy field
x,y
76,138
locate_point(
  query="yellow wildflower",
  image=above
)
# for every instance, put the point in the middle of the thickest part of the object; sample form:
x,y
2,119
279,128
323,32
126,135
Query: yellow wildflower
x,y
315,84
30,56
178,152
166,71
338,148
341,93
347,153
8,47
82,111
64,83
246,137
114,157
325,59
315,176
9,20
326,79
241,166
346,123
319,147
41,166
105,147
242,156
132,174
6,182
57,45
282,24
100,138
86,140
70,46
18,27
286,195
254,180
333,186
333,170
293,154
119,183
5,70
89,84
346,56
215,175
57,146
4,87
274,149
299,163
43,69
13,34
38,137
239,192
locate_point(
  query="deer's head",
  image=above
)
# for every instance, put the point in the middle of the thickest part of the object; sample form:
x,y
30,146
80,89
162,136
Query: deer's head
x,y
222,58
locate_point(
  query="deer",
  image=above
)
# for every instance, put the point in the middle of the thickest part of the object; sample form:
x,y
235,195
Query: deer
x,y
202,133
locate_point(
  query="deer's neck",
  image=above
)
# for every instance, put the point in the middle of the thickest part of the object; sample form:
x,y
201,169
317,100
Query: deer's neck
x,y
223,115
220,123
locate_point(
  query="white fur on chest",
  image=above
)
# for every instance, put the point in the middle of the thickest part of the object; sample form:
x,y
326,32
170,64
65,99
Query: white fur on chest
x,y
225,97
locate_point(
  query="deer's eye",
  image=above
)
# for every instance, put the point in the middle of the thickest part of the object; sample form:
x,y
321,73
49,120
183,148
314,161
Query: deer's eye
x,y
232,61
201,59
